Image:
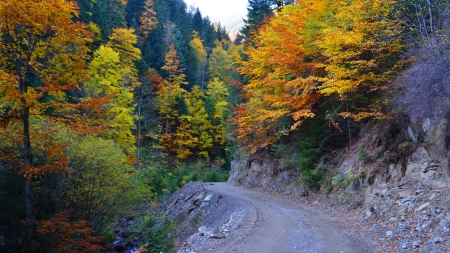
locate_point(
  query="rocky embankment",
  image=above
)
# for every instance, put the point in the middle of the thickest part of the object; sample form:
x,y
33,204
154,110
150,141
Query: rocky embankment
x,y
206,220
400,187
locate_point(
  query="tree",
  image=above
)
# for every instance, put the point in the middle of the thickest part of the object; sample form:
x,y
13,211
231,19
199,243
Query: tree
x,y
109,14
43,54
218,92
172,88
197,21
201,126
122,40
184,139
220,63
258,11
341,51
148,19
106,80
199,59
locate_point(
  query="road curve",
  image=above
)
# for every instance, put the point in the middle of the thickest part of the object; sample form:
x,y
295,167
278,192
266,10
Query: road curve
x,y
285,227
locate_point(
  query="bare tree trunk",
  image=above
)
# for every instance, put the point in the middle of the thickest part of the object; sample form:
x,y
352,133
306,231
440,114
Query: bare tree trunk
x,y
203,74
168,110
138,137
27,161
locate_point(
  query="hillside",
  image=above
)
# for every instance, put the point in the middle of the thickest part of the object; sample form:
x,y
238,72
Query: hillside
x,y
395,175
109,107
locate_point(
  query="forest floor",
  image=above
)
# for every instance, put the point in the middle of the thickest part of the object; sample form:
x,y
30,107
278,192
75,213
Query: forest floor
x,y
266,223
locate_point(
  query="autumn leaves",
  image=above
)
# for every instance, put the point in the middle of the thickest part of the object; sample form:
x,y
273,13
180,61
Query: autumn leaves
x,y
315,52
193,121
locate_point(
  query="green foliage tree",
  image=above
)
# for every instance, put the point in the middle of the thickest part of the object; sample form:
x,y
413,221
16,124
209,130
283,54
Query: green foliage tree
x,y
101,182
258,11
107,80
109,14
220,63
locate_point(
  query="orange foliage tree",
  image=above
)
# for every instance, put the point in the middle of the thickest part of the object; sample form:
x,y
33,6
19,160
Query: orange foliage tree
x,y
61,234
43,55
314,51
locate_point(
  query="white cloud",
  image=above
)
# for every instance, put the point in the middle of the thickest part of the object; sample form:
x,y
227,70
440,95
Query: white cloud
x,y
220,9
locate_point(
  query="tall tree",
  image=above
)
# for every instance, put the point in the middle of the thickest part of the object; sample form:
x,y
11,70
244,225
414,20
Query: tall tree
x,y
107,81
109,14
201,126
38,40
148,19
123,42
217,93
198,59
220,63
197,21
169,94
258,11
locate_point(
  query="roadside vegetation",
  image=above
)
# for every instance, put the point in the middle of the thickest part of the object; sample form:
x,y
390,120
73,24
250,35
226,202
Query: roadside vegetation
x,y
108,106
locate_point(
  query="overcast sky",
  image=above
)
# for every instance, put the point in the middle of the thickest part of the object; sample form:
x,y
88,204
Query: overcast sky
x,y
219,9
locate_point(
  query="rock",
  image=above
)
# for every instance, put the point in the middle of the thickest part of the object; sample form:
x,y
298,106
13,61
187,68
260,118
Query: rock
x,y
393,220
405,193
368,214
412,135
421,207
218,235
208,197
415,244
437,240
202,230
198,198
389,233
420,155
426,125
439,185
404,246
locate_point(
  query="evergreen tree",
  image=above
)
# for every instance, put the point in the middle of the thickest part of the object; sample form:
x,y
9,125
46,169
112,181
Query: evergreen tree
x,y
258,12
109,14
197,21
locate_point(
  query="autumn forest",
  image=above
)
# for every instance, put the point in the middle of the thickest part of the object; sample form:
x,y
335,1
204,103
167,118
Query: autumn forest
x,y
110,105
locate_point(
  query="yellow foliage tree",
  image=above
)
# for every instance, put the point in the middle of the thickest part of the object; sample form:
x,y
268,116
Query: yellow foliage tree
x,y
201,126
312,51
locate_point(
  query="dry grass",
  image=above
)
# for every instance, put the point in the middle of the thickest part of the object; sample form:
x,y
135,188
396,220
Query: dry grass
x,y
423,91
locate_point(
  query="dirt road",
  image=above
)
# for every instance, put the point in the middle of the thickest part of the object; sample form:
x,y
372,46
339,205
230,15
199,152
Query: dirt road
x,y
284,227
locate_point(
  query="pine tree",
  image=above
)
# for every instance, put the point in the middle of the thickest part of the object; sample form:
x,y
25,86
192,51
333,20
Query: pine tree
x,y
258,12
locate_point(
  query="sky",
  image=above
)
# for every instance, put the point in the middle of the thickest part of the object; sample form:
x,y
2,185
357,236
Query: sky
x,y
220,9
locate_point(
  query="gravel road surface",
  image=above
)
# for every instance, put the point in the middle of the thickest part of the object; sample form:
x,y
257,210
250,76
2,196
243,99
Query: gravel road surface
x,y
284,227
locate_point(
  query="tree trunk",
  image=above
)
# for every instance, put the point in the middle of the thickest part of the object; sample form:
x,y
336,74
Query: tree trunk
x,y
29,196
27,161
138,134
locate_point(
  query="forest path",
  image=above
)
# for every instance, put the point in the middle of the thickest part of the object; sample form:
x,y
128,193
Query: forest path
x,y
285,227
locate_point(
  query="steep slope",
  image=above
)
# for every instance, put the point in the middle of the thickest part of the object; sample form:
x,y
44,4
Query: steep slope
x,y
396,177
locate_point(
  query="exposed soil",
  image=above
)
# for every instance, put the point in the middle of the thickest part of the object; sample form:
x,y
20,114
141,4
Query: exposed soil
x,y
258,222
